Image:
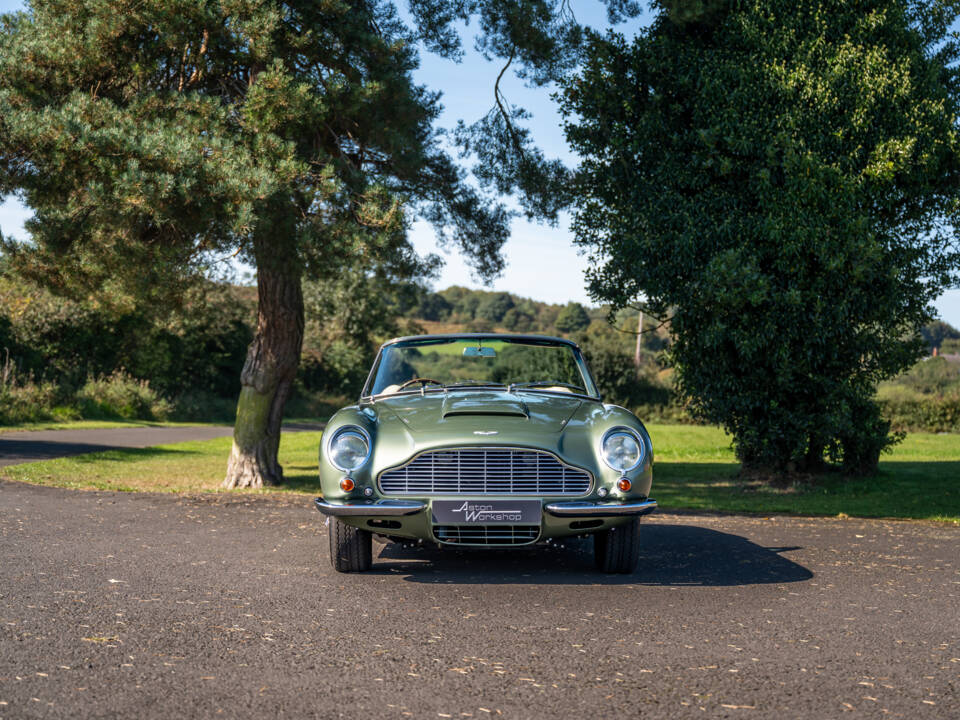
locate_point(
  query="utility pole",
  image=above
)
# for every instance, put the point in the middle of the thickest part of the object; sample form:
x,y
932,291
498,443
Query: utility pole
x,y
636,355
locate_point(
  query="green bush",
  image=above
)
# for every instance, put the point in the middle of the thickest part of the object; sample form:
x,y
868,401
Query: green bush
x,y
950,346
203,406
931,376
923,413
200,345
120,395
27,402
670,413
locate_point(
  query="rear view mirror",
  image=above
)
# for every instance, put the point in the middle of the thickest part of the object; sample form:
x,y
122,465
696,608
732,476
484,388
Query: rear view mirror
x,y
486,352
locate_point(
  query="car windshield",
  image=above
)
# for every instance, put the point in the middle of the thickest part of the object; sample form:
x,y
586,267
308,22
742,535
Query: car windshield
x,y
464,363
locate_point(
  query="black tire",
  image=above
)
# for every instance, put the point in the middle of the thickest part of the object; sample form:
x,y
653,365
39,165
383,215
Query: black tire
x,y
617,550
351,549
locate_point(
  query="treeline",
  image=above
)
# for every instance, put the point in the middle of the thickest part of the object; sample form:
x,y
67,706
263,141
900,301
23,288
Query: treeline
x,y
63,359
482,311
609,344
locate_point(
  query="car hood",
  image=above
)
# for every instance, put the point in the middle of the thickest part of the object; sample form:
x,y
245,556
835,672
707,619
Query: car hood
x,y
481,411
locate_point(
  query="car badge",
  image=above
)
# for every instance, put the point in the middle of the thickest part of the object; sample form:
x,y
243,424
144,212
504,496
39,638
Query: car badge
x,y
486,432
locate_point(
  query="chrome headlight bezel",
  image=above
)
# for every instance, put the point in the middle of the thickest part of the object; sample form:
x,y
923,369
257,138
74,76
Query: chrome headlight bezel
x,y
629,432
355,430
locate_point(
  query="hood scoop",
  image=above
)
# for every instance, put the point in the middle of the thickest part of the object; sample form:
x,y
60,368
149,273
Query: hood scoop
x,y
481,403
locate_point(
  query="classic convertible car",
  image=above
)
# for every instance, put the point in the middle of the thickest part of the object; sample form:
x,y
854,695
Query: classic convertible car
x,y
487,440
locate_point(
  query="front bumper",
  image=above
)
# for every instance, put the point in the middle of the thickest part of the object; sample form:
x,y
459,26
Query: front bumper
x,y
600,509
400,508
370,508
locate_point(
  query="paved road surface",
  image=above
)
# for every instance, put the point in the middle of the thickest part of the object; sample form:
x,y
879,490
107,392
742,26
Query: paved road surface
x,y
28,446
158,606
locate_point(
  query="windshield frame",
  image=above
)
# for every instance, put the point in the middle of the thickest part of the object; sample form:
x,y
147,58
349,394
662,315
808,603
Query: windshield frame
x,y
592,392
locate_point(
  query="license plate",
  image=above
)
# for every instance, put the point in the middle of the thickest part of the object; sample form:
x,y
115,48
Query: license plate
x,y
487,512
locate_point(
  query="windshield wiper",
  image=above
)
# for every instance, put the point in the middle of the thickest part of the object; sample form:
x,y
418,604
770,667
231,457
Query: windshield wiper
x,y
546,384
472,383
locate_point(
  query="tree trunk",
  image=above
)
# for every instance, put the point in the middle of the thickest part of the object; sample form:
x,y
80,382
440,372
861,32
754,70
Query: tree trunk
x,y
270,369
813,462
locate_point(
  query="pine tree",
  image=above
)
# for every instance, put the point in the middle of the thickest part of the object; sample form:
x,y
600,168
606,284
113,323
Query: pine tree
x,y
152,139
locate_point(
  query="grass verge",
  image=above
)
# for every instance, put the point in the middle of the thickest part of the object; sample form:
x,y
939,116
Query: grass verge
x,y
195,466
694,469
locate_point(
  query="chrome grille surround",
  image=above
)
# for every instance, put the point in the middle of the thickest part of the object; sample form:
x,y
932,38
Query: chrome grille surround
x,y
486,534
498,470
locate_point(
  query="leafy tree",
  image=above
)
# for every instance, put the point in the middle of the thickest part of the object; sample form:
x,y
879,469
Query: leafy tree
x,y
780,178
152,139
348,314
433,306
610,357
518,319
572,318
547,317
200,348
466,306
494,307
934,333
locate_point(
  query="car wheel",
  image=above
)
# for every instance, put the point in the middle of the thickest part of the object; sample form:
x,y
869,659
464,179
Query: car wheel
x,y
617,550
351,549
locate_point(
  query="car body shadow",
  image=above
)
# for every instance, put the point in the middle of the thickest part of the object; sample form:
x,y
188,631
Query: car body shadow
x,y
671,555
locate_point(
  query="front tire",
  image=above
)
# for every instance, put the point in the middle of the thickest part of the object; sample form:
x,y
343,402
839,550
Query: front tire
x,y
351,549
617,550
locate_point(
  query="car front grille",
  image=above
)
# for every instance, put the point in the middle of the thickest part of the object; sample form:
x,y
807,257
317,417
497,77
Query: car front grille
x,y
486,534
485,471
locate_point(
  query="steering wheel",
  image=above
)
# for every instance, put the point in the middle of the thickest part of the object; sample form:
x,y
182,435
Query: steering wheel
x,y
424,381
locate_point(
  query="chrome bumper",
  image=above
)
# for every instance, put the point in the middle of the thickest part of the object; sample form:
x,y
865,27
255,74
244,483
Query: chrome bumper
x,y
593,509
366,508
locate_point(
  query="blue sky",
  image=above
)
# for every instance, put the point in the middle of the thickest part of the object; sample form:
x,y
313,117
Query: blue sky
x,y
542,261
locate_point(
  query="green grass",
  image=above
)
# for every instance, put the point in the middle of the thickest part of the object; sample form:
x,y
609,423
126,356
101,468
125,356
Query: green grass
x,y
694,469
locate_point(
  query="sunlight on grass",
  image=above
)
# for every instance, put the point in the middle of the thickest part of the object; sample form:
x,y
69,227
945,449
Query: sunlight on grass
x,y
694,469
196,466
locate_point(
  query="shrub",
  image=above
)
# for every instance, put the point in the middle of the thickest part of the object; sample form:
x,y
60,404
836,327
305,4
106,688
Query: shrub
x,y
931,376
203,406
922,413
120,395
27,402
950,346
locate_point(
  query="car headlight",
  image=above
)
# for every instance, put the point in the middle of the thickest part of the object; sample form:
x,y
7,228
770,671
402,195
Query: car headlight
x,y
621,449
349,448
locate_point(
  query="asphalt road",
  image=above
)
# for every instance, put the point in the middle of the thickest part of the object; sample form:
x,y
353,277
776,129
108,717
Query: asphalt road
x,y
125,605
29,446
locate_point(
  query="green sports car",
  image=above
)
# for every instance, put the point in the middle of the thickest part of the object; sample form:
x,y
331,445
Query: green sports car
x,y
486,440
